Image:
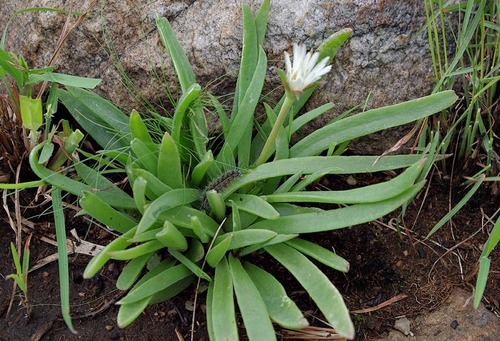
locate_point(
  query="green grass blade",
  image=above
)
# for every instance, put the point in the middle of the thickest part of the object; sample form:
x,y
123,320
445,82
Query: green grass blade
x,y
322,291
287,185
95,179
250,303
372,121
308,179
482,277
16,258
493,239
23,185
63,257
455,209
8,65
280,307
68,80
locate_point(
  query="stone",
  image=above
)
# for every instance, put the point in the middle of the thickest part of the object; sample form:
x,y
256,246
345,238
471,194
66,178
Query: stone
x,y
386,60
404,326
456,319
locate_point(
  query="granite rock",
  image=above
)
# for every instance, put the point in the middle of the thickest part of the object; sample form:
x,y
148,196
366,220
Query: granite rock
x,y
386,61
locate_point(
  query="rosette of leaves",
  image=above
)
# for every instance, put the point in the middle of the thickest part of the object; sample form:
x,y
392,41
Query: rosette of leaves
x,y
198,208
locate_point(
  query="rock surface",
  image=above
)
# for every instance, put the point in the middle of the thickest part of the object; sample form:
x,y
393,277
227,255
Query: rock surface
x,y
386,60
455,320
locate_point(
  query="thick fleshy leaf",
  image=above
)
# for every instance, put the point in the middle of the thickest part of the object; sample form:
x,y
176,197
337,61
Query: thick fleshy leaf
x,y
280,307
250,303
372,121
322,291
336,218
223,320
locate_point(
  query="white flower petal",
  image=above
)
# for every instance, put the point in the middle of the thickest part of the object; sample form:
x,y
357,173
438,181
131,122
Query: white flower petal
x,y
305,69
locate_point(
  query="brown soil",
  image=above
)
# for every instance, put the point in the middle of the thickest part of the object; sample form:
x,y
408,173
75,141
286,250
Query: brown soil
x,y
385,264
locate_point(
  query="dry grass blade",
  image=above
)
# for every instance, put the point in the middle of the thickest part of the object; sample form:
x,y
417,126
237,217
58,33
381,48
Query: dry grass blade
x,y
381,305
310,333
13,141
67,29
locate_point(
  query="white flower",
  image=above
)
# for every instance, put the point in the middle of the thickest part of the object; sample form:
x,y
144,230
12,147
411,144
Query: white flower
x,y
305,71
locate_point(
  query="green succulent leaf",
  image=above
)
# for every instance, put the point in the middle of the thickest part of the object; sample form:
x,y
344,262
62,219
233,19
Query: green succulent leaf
x,y
322,291
169,200
171,237
319,253
223,320
337,218
254,205
250,303
218,251
280,307
156,284
130,272
104,213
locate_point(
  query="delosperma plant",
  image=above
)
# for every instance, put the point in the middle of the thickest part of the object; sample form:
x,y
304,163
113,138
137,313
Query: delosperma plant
x,y
197,208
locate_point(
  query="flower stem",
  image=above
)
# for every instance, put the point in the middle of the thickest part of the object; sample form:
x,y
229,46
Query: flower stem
x,y
266,150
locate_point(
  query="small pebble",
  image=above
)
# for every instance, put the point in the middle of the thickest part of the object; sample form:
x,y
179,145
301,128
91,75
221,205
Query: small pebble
x,y
109,327
351,181
404,326
454,324
189,305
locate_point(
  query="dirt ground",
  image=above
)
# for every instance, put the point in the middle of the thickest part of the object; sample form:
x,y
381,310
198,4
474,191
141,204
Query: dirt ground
x,y
394,271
